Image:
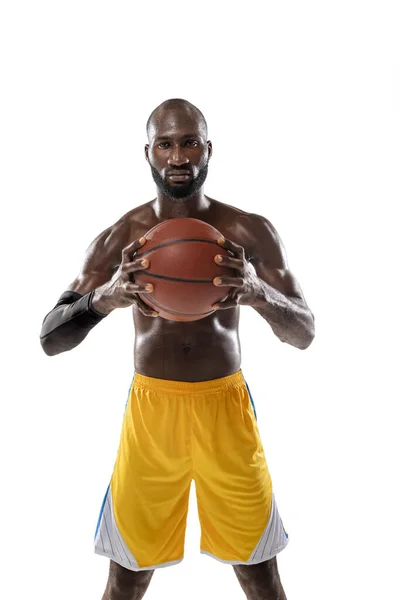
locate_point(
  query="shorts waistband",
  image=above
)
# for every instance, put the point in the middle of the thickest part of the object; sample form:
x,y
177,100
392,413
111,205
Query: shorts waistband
x,y
189,387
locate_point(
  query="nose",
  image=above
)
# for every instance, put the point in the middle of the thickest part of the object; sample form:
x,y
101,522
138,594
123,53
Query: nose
x,y
177,157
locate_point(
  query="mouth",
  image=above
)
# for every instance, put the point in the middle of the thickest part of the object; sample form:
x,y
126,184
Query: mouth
x,y
179,176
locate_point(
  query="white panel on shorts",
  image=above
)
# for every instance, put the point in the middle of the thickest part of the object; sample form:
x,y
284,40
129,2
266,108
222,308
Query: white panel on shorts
x,y
108,541
273,539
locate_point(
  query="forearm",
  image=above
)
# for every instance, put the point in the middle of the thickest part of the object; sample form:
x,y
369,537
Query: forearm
x,y
68,323
291,322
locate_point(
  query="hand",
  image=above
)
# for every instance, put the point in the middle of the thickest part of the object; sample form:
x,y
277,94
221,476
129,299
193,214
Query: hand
x,y
121,290
244,285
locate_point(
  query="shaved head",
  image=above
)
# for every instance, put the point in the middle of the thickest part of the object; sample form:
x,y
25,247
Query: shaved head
x,y
177,105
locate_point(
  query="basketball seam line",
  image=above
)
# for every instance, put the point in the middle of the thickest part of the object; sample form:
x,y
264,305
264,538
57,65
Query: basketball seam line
x,y
177,242
176,278
175,312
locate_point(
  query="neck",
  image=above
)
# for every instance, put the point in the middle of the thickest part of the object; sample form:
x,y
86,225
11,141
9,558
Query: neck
x,y
192,206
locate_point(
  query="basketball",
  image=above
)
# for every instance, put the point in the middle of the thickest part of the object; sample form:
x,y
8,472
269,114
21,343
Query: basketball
x,y
182,268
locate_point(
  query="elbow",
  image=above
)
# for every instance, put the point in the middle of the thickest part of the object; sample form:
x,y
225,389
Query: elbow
x,y
302,344
303,338
309,337
47,347
53,345
305,344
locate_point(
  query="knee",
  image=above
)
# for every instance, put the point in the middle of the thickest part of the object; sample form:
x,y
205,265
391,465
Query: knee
x,y
124,583
261,580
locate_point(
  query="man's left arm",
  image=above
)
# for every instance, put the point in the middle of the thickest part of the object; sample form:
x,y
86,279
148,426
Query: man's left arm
x,y
265,282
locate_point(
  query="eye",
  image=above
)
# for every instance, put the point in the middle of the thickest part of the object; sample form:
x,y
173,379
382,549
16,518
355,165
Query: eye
x,y
192,143
163,144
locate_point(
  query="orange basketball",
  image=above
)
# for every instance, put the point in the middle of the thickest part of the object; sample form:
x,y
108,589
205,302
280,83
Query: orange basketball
x,y
182,268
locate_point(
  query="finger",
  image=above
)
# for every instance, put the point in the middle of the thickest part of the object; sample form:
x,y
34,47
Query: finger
x,y
132,248
136,288
227,261
228,281
136,265
231,303
144,308
229,245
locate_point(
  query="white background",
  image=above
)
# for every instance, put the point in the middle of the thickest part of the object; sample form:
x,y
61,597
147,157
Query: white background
x,y
302,101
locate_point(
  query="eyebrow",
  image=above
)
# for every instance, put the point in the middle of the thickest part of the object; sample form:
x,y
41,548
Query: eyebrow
x,y
183,137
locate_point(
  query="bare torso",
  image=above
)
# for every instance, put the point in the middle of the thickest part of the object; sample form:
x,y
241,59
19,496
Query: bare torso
x,y
198,350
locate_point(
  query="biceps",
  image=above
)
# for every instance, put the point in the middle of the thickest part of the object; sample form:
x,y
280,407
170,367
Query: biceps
x,y
89,280
101,261
282,280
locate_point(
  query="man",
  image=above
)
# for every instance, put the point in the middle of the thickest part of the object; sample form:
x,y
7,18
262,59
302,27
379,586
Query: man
x,y
189,413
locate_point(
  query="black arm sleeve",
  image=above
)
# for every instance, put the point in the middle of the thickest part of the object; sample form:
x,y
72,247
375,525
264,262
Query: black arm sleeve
x,y
68,323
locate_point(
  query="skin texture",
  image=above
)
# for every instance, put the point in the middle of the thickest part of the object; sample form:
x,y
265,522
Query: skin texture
x,y
208,348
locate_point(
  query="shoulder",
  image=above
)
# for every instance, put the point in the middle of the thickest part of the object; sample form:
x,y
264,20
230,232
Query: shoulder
x,y
106,248
263,239
254,232
231,214
261,228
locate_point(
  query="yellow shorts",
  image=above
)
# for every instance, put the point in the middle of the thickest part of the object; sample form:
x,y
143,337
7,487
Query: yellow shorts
x,y
174,432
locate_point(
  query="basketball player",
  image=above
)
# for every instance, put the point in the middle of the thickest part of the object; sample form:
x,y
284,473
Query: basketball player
x,y
189,413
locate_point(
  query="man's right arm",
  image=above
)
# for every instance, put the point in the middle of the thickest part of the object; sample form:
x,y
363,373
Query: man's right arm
x,y
104,284
69,322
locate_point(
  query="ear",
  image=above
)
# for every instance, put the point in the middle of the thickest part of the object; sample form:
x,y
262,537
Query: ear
x,y
210,149
146,152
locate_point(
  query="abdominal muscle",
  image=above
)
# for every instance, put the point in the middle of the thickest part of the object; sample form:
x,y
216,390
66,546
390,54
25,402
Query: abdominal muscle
x,y
187,351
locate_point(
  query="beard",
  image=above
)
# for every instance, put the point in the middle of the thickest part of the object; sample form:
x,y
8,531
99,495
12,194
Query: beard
x,y
184,190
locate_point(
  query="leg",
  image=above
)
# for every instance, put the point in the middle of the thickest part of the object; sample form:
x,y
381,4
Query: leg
x,y
261,581
124,584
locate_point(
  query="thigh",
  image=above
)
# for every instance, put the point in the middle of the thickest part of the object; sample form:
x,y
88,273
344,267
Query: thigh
x,y
122,581
263,571
261,580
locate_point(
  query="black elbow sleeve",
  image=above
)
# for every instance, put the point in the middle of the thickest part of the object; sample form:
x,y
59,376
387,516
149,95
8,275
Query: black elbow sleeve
x,y
69,322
